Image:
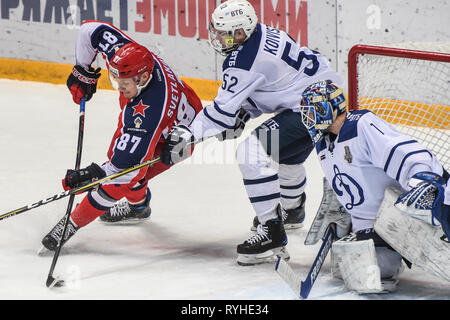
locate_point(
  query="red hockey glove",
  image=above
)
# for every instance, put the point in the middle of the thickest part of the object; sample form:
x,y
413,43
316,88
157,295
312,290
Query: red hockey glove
x,y
83,83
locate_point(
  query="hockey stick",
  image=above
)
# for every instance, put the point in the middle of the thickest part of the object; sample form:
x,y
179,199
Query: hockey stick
x,y
303,288
85,187
80,189
51,281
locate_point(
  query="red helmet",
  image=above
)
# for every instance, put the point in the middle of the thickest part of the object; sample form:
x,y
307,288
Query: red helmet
x,y
131,60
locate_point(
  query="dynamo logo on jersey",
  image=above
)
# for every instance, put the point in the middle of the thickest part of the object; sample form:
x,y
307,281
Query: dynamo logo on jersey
x,y
343,184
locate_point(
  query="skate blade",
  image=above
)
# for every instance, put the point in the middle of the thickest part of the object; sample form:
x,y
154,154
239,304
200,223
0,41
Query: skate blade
x,y
44,252
287,226
127,222
291,226
265,257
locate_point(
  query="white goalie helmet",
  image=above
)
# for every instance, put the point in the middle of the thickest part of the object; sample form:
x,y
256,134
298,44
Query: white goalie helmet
x,y
228,17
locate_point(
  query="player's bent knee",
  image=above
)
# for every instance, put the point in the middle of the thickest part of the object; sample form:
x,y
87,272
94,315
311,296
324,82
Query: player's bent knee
x,y
252,158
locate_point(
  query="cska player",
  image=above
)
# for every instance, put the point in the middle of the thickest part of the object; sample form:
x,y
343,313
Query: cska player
x,y
152,99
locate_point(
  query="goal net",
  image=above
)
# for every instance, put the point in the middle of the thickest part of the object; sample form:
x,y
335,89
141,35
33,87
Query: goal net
x,y
408,88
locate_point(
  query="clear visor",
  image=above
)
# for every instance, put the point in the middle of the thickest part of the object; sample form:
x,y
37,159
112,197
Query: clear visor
x,y
118,83
221,41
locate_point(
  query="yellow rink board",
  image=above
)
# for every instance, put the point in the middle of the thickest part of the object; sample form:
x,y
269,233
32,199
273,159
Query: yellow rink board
x,y
57,73
397,112
409,113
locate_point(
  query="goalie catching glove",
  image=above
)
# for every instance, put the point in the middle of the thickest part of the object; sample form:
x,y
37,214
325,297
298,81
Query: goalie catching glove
x,y
77,178
425,200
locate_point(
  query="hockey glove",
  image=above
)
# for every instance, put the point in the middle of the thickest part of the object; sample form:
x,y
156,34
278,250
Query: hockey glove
x,y
425,199
239,126
82,83
178,145
76,178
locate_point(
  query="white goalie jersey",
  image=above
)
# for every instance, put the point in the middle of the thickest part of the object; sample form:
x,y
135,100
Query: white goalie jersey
x,y
368,156
266,74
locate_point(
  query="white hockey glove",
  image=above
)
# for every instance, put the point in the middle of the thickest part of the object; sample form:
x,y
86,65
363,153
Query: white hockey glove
x,y
239,126
178,145
425,199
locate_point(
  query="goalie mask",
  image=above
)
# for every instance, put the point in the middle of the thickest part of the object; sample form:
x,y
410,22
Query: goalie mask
x,y
322,102
230,16
131,61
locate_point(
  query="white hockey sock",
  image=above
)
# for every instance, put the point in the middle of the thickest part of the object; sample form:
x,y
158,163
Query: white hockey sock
x,y
260,175
292,184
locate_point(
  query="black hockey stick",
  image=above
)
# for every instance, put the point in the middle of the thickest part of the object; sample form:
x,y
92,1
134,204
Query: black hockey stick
x,y
80,189
85,187
303,288
51,281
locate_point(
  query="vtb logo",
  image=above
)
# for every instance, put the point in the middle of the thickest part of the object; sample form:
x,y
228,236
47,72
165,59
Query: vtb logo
x,y
237,13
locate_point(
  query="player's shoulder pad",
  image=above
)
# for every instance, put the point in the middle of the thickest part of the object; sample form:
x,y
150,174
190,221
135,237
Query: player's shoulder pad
x,y
349,129
244,56
98,34
155,93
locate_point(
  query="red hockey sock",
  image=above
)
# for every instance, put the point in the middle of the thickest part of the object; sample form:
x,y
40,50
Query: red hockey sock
x,y
85,213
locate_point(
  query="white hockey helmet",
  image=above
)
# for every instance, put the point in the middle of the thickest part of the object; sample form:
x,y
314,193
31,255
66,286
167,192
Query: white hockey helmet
x,y
228,17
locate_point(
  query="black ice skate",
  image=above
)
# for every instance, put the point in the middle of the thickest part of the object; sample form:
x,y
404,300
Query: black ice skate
x,y
50,241
124,212
292,218
266,245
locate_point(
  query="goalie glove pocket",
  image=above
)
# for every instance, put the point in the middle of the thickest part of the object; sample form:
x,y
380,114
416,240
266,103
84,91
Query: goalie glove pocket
x,y
424,201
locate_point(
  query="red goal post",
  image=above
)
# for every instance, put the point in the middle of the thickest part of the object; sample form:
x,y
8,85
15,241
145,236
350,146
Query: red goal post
x,y
408,88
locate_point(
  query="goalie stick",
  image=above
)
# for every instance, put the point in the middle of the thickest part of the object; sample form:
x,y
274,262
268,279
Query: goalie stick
x,y
51,281
303,288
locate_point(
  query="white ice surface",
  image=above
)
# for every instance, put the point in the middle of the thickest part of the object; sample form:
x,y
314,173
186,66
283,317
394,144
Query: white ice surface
x,y
200,212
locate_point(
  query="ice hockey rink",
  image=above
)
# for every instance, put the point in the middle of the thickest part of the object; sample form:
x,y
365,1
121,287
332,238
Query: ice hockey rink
x,y
187,250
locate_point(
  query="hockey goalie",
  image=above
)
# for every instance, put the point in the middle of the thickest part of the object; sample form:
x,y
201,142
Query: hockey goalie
x,y
395,193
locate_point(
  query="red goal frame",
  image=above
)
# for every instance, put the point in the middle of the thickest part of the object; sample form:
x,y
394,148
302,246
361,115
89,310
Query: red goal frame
x,y
359,49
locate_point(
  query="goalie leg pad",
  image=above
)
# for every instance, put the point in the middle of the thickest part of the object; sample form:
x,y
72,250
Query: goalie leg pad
x,y
361,270
415,240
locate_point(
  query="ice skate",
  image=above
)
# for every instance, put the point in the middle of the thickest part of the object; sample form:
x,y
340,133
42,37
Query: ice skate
x,y
266,245
124,212
50,241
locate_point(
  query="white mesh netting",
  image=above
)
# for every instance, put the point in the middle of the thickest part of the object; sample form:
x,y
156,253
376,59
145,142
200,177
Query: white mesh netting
x,y
412,94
